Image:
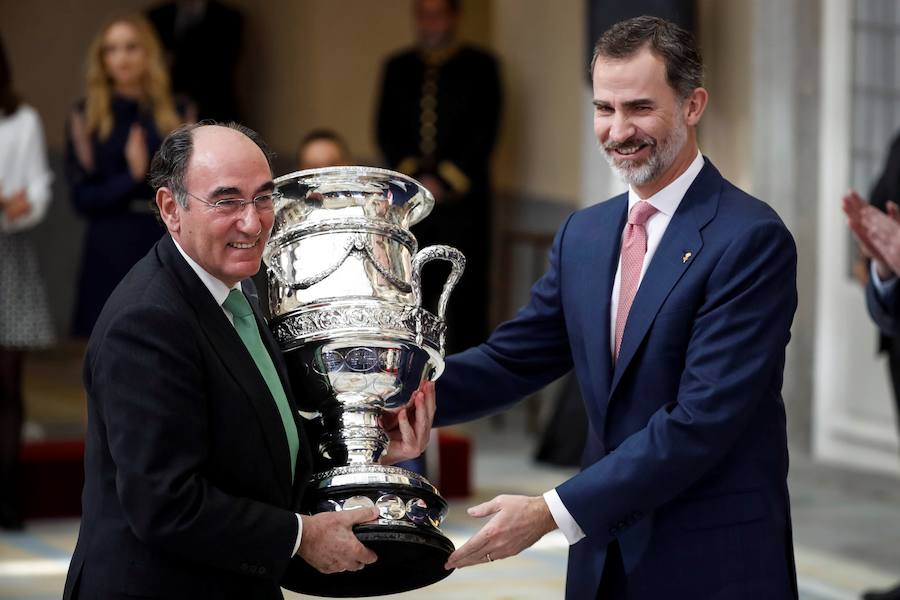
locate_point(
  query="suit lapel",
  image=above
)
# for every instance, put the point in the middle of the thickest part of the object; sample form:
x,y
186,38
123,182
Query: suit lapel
x,y
235,357
599,277
668,265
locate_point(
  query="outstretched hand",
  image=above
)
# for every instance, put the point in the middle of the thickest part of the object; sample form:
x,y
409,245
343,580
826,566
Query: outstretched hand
x,y
516,523
409,428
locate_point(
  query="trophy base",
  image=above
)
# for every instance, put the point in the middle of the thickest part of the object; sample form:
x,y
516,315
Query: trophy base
x,y
408,559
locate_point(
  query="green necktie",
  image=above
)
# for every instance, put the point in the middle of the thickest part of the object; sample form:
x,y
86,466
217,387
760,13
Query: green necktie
x,y
245,324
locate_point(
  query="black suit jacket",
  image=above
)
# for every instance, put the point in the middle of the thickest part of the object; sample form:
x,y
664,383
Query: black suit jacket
x,y
188,489
203,56
884,310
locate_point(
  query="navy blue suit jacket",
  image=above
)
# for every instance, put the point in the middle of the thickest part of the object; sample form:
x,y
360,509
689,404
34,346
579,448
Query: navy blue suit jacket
x,y
686,454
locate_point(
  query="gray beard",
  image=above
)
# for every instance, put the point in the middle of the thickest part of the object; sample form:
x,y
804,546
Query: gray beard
x,y
661,158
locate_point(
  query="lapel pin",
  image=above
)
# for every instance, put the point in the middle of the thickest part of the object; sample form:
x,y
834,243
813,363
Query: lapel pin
x,y
686,256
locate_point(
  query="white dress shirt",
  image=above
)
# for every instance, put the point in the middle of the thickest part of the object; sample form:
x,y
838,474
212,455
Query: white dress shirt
x,y
666,202
882,287
220,293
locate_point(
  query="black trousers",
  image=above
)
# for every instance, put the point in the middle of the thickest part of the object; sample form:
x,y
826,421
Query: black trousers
x,y
11,417
892,347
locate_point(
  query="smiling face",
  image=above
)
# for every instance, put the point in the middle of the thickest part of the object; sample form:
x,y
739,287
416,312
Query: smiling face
x,y
124,56
224,164
646,133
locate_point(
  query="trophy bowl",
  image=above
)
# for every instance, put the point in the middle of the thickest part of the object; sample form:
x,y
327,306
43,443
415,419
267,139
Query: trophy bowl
x,y
345,301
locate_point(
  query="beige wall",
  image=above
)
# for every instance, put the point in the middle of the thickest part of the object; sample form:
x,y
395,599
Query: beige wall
x,y
726,132
540,46
306,63
312,63
46,41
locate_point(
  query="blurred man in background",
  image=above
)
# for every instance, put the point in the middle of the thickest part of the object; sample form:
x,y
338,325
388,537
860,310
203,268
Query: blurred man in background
x,y
437,121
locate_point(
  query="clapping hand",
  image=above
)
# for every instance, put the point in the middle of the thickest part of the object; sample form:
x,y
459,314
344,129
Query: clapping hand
x,y
878,233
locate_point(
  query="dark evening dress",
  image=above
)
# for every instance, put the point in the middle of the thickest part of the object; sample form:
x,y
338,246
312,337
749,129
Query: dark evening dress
x,y
121,225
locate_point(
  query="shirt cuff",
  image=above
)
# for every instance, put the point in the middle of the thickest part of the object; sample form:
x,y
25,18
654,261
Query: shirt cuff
x,y
882,288
563,519
299,534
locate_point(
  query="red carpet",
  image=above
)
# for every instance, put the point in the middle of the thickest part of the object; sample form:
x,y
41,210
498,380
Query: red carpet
x,y
455,457
52,474
51,478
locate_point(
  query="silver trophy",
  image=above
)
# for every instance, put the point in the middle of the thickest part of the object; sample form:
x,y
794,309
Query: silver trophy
x,y
345,299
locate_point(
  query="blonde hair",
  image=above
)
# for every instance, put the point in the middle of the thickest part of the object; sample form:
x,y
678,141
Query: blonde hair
x,y
157,93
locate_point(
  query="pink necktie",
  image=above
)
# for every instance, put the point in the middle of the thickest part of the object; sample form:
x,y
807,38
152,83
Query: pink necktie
x,y
634,247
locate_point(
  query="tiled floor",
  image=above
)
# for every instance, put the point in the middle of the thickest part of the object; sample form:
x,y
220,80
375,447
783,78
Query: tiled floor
x,y
846,524
33,564
847,529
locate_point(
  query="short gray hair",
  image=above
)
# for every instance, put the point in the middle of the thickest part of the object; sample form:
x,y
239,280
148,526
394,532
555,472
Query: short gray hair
x,y
170,162
676,46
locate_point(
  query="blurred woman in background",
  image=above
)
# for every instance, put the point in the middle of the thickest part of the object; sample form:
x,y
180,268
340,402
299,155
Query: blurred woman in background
x,y
24,316
111,136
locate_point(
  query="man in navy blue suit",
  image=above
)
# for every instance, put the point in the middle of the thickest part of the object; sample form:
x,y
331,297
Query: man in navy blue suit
x,y
673,303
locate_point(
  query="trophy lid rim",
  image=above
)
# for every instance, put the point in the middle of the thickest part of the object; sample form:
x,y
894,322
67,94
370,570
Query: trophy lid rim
x,y
424,209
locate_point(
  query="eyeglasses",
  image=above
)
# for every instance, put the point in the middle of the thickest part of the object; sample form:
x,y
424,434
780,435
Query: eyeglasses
x,y
235,206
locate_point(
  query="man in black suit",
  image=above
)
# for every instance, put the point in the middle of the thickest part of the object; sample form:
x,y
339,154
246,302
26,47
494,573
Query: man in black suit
x,y
196,459
203,40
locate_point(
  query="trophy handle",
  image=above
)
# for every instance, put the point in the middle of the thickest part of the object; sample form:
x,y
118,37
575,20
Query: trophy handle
x,y
458,265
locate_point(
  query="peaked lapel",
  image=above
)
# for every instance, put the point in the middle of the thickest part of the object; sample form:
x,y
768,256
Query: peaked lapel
x,y
596,303
234,355
667,267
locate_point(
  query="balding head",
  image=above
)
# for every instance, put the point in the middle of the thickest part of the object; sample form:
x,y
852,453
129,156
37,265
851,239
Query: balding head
x,y
169,166
215,196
